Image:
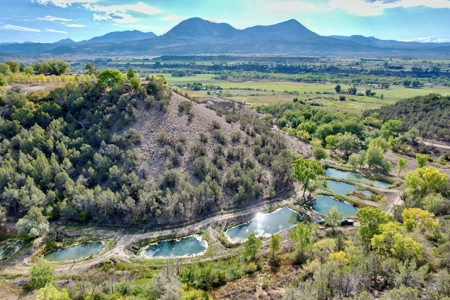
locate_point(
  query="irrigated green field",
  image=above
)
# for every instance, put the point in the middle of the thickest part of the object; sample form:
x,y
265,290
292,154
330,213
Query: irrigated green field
x,y
275,92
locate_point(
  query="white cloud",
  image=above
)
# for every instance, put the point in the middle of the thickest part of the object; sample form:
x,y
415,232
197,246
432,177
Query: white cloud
x,y
292,6
73,25
430,39
55,31
376,7
18,28
120,13
63,3
173,18
51,19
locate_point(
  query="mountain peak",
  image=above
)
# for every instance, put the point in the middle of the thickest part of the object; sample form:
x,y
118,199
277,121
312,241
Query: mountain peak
x,y
200,28
66,41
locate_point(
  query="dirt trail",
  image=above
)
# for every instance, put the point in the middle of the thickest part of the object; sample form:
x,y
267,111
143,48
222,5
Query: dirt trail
x,y
123,240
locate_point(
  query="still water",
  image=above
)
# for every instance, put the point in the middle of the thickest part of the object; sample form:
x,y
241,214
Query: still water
x,y
342,188
264,224
324,203
75,252
189,246
355,176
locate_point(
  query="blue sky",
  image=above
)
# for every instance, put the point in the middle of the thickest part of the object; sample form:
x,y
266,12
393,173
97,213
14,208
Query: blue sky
x,y
52,20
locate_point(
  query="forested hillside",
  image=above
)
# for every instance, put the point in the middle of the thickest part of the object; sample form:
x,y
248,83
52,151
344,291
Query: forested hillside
x,y
429,114
148,156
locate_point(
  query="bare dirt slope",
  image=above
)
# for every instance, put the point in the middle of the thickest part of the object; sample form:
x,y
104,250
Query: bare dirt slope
x,y
152,120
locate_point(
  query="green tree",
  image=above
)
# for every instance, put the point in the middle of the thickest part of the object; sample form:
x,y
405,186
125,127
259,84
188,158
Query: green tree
x,y
301,236
110,77
402,163
370,219
29,70
3,81
374,156
413,134
252,247
275,242
347,142
422,160
435,203
41,274
49,292
333,218
13,66
34,224
330,141
90,68
390,127
306,171
337,88
426,180
135,83
319,153
130,73
4,69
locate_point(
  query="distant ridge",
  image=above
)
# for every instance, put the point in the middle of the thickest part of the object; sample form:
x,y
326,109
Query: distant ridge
x,y
66,41
121,36
196,36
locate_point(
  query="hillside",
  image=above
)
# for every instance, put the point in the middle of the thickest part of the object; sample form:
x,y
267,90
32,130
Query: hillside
x,y
124,159
429,114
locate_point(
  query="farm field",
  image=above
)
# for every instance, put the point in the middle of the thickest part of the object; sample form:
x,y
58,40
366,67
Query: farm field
x,y
266,93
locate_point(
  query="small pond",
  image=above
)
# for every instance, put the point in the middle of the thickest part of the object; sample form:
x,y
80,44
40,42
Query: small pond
x,y
347,175
75,252
342,188
9,247
324,203
188,246
264,224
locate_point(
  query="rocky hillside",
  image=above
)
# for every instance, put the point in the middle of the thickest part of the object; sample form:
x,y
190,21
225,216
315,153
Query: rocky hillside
x,y
219,141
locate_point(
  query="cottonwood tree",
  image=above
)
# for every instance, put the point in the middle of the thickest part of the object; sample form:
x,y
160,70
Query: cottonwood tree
x,y
252,247
275,242
424,181
422,160
301,236
333,218
306,171
370,219
110,77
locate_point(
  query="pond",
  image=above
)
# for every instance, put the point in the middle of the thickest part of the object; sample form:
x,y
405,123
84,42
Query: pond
x,y
347,175
342,188
324,203
188,246
9,247
75,252
264,225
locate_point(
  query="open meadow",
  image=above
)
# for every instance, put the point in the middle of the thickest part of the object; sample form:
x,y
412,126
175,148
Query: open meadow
x,y
266,93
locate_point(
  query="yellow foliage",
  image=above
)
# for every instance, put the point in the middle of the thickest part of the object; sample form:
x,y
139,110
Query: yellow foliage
x,y
339,257
418,218
392,241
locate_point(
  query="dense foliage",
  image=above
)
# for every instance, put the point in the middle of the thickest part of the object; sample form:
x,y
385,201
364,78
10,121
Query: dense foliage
x,y
429,114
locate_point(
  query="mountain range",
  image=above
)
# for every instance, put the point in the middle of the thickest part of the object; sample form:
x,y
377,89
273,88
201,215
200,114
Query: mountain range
x,y
198,36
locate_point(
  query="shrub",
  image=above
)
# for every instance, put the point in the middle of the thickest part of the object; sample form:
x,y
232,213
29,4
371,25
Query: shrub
x,y
41,274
